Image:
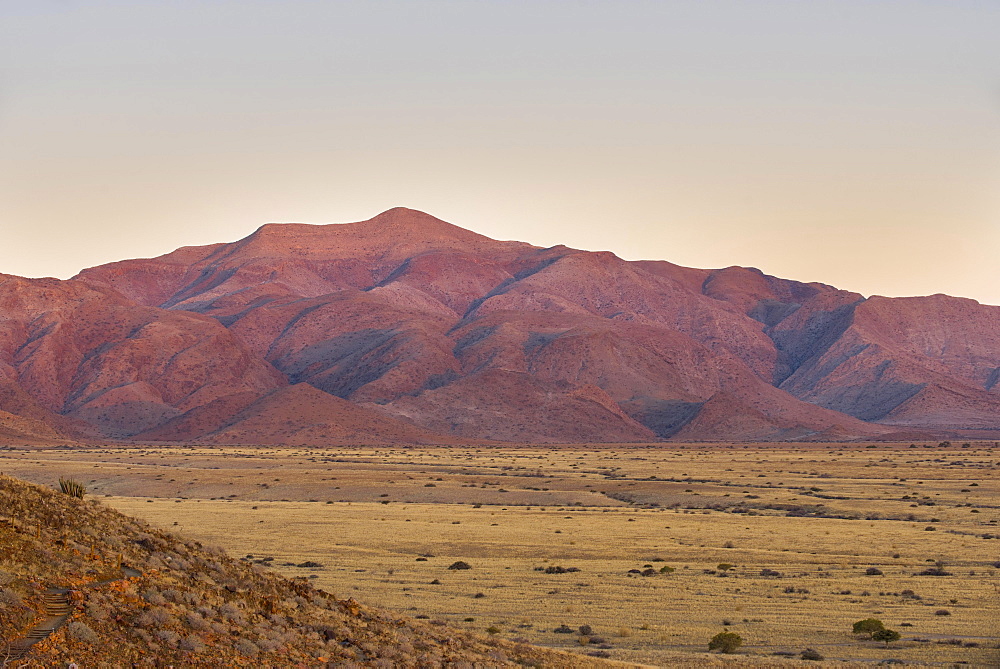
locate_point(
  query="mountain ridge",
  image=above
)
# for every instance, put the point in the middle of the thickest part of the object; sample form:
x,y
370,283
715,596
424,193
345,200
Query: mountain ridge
x,y
408,317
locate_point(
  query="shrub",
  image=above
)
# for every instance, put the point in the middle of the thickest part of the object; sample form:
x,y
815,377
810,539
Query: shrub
x,y
459,565
725,642
492,629
231,612
810,654
942,612
169,637
172,595
868,626
246,647
192,644
586,630
10,598
873,571
78,631
97,610
195,621
887,636
937,570
725,566
156,616
72,488
152,596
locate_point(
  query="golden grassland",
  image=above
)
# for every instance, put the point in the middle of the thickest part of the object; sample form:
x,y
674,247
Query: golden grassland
x,y
802,525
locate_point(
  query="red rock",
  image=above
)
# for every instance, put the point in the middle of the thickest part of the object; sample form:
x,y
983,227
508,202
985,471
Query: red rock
x,y
425,328
302,414
109,367
920,362
513,406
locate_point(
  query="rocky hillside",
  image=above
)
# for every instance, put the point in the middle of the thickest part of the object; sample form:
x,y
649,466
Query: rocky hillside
x,y
135,594
415,330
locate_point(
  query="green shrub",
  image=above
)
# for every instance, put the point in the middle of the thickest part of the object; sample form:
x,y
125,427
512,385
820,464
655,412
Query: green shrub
x,y
868,626
725,642
887,636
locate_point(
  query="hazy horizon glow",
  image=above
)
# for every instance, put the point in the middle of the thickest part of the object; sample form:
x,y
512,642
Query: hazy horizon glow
x,y
852,143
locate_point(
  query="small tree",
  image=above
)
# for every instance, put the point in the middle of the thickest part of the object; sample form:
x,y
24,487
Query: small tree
x,y
725,642
868,626
887,636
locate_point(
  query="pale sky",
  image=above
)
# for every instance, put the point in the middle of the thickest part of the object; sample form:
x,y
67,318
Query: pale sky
x,y
853,143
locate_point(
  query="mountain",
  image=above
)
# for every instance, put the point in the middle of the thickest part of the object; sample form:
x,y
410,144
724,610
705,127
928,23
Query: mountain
x,y
405,328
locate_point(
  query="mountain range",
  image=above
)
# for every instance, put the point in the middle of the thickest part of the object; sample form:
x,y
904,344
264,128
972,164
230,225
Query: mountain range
x,y
407,329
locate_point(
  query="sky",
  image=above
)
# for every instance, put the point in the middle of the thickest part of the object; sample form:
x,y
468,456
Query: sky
x,y
847,142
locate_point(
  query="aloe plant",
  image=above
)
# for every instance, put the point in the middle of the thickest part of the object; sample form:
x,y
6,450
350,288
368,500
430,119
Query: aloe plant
x,y
71,487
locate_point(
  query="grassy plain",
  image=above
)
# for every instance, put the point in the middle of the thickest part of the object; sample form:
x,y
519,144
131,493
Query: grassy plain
x,y
802,525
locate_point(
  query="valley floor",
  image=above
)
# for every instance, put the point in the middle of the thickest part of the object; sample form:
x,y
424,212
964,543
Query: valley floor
x,y
786,545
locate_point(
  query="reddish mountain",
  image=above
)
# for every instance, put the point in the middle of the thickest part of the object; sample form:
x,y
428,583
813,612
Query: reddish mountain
x,y
88,362
403,327
301,414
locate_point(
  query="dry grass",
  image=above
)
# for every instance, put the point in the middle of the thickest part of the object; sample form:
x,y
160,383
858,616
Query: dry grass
x,y
508,512
178,603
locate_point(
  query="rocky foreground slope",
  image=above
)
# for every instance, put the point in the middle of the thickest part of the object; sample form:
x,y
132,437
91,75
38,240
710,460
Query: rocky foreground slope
x,y
193,606
404,328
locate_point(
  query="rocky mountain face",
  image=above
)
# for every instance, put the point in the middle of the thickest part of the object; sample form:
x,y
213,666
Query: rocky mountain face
x,y
406,329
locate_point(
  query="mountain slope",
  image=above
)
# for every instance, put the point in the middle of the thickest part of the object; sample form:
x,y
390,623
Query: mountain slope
x,y
454,333
916,362
90,362
302,414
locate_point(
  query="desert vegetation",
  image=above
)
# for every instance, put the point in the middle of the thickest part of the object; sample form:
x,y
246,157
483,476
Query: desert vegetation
x,y
137,596
628,553
72,488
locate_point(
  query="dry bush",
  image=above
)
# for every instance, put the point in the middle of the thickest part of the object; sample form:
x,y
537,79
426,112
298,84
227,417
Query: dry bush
x,y
79,631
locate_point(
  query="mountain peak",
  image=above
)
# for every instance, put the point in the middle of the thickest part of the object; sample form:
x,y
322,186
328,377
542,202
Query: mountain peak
x,y
397,232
